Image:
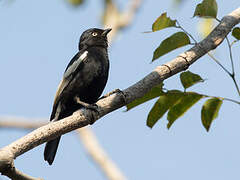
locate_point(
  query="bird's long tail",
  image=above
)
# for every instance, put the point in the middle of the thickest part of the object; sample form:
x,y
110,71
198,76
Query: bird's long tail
x,y
50,150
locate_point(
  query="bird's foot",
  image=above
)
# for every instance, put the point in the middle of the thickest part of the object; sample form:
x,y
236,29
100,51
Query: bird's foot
x,y
93,107
113,92
86,105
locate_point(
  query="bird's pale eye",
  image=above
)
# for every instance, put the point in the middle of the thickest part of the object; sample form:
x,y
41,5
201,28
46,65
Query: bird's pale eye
x,y
94,34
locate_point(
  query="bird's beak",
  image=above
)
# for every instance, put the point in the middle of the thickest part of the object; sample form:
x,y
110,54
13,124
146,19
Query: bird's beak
x,y
106,31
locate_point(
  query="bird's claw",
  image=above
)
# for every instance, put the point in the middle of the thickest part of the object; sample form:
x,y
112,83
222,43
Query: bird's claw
x,y
86,105
93,107
113,92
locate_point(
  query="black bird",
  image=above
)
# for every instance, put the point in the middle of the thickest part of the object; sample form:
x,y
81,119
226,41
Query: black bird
x,y
83,81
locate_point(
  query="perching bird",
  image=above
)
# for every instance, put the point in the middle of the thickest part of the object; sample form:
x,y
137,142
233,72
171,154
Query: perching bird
x,y
83,81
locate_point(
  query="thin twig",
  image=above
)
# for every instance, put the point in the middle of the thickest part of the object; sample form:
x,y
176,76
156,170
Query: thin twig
x,y
207,96
232,75
236,85
218,20
232,100
223,98
179,26
232,64
211,56
230,55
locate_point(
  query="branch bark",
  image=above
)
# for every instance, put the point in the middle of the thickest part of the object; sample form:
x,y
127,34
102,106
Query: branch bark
x,y
84,117
15,174
89,140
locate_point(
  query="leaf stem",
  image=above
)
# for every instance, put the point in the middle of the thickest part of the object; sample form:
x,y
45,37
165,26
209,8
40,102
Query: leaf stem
x,y
230,54
222,98
218,19
179,26
231,74
231,100
232,64
236,85
211,56
208,96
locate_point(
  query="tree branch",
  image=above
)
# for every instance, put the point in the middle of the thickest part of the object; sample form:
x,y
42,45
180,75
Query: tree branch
x,y
127,16
84,117
20,123
98,155
87,137
119,20
116,21
15,174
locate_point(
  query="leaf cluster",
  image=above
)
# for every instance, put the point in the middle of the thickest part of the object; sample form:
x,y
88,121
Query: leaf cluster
x,y
175,103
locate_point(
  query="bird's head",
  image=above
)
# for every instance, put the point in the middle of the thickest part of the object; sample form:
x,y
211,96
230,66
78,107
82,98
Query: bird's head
x,y
94,37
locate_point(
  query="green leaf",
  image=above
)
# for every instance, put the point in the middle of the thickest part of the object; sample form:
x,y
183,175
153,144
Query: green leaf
x,y
153,93
210,111
175,41
188,79
236,33
185,103
208,8
163,22
162,105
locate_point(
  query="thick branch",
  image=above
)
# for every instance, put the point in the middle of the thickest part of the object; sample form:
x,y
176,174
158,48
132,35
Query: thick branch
x,y
84,117
93,148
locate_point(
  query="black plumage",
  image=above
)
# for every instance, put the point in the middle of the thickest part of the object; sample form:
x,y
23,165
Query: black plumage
x,y
85,78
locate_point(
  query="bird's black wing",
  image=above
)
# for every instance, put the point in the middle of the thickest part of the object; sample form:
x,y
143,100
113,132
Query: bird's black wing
x,y
68,75
71,70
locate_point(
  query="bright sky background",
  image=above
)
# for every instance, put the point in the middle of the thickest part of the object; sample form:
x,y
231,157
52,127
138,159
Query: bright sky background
x,y
38,39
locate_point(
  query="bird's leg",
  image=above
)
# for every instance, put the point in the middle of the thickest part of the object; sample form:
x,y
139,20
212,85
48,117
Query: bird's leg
x,y
86,105
93,107
113,92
